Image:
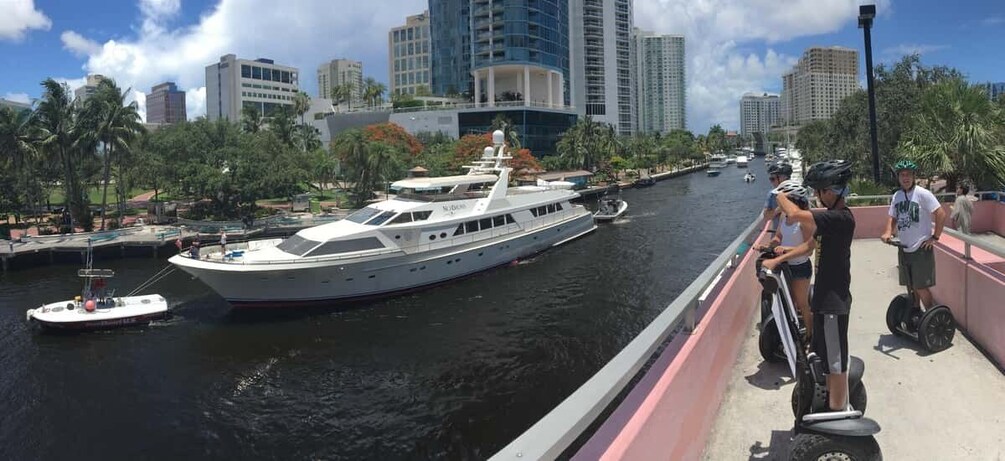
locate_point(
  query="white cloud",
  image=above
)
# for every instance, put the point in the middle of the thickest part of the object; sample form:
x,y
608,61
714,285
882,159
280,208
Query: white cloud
x,y
912,48
78,44
718,70
993,21
73,83
301,34
305,33
18,97
20,16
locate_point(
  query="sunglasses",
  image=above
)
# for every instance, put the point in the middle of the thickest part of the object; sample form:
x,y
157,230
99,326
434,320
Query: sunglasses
x,y
773,178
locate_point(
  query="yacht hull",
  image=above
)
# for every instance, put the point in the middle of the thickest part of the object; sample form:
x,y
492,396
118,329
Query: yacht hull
x,y
259,285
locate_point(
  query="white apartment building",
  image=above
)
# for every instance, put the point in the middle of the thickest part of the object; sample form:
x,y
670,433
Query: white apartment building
x,y
408,51
233,84
661,91
81,94
600,52
338,71
759,112
816,85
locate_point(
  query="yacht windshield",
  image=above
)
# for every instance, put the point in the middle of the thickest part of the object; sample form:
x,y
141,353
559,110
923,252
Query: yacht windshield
x,y
362,215
297,245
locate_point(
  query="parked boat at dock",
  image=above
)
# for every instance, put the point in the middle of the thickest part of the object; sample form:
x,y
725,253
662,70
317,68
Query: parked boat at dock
x,y
434,230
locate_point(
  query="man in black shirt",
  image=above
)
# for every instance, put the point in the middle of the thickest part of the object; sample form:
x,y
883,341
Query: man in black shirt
x,y
832,293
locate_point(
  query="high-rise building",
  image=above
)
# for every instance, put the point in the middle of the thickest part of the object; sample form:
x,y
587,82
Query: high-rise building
x,y
603,74
409,55
165,104
759,112
16,106
816,85
88,89
994,90
450,46
660,89
338,72
233,84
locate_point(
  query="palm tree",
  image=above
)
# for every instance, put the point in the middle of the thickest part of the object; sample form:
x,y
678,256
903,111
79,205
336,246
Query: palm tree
x,y
372,91
301,104
56,123
251,120
510,134
114,124
957,134
343,93
282,124
16,144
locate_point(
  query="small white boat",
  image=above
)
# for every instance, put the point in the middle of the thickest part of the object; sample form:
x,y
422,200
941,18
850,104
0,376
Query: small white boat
x,y
610,209
97,307
741,161
749,177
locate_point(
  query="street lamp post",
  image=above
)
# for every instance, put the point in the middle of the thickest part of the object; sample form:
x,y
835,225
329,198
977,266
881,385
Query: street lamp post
x,y
865,15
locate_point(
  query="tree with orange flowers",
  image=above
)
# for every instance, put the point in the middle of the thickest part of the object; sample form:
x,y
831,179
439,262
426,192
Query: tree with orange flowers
x,y
469,148
393,135
523,162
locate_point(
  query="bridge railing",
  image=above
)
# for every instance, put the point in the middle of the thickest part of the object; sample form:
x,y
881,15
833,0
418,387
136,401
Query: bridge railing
x,y
555,432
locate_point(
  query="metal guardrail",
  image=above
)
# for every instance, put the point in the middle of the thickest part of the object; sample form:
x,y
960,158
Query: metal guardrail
x,y
969,241
552,434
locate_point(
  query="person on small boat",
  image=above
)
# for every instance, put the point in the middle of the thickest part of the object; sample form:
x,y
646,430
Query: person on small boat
x,y
193,251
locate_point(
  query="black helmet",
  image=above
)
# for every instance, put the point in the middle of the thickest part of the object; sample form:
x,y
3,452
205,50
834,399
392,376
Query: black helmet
x,y
828,173
783,169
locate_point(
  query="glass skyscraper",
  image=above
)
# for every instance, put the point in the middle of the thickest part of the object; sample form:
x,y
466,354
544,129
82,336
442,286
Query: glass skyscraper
x,y
519,48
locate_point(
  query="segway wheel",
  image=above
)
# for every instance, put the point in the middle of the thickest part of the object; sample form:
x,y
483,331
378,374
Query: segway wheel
x,y
859,399
770,342
826,447
895,313
937,329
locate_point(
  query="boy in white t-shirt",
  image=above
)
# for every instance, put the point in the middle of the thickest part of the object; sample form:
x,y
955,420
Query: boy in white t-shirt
x,y
918,218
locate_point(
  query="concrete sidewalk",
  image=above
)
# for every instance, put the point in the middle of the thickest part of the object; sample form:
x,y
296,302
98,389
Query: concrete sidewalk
x,y
949,405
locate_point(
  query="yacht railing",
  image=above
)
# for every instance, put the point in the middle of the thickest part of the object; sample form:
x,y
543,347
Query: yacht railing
x,y
550,436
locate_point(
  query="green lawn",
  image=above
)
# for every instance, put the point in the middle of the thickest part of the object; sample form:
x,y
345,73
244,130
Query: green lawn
x,y
56,196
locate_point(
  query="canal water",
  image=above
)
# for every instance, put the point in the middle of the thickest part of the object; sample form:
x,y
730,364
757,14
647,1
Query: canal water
x,y
455,372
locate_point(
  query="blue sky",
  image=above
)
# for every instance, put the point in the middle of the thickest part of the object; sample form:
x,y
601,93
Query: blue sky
x,y
733,46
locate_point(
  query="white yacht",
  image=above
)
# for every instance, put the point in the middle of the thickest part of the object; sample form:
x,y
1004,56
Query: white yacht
x,y
434,230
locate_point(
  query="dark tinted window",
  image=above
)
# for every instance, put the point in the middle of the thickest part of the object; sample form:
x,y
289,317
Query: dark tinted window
x,y
472,226
421,215
558,206
533,211
256,72
551,208
510,220
381,218
245,71
542,210
498,221
346,246
297,245
362,215
402,219
460,229
485,223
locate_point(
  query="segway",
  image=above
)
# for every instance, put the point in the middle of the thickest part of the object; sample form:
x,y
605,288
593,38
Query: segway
x,y
819,432
934,328
769,342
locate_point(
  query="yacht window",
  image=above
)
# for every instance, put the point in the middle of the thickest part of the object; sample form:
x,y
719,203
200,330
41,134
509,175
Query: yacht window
x,y
533,211
498,221
421,215
402,219
551,208
510,220
346,246
297,245
471,226
485,223
460,230
542,210
381,218
362,215
558,206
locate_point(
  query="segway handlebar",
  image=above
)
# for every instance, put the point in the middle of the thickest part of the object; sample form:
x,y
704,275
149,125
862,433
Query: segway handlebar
x,y
896,242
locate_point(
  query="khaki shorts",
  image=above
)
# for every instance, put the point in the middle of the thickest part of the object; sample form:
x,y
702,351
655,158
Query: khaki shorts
x,y
921,265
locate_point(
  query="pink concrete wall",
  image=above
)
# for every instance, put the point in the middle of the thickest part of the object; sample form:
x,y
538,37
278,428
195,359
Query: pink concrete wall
x,y
674,420
950,276
986,317
998,225
870,221
984,216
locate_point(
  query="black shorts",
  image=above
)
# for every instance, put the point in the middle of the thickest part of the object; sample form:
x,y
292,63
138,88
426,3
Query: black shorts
x,y
830,340
801,271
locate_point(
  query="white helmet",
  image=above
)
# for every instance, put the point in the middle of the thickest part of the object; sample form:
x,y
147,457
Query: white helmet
x,y
793,190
